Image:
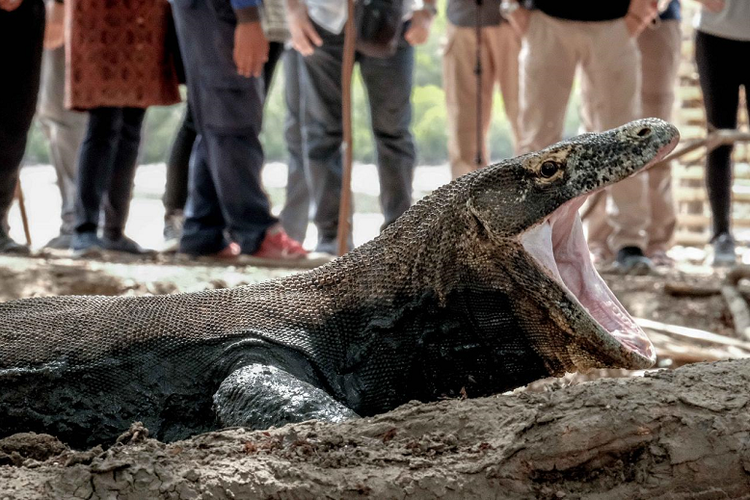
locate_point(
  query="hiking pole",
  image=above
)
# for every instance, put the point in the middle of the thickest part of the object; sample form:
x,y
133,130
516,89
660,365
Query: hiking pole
x,y
22,207
347,68
478,73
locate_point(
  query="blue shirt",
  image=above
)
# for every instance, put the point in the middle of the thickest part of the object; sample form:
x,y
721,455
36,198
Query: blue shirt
x,y
243,4
672,11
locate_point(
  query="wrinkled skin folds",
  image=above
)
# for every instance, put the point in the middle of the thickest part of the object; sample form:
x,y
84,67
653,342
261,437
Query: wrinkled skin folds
x,y
483,286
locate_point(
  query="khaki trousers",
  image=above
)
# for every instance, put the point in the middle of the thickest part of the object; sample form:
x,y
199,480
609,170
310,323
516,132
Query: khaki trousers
x,y
660,59
500,47
551,52
64,130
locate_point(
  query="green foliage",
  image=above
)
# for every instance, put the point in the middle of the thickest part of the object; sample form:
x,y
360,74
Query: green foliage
x,y
162,123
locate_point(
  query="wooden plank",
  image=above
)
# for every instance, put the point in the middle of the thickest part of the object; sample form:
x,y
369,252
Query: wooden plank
x,y
690,238
698,220
740,312
740,194
689,93
692,333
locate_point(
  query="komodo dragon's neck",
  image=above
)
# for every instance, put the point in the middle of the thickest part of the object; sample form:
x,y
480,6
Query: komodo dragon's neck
x,y
412,292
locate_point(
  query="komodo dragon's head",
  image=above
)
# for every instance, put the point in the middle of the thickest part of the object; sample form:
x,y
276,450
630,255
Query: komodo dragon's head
x,y
511,233
526,220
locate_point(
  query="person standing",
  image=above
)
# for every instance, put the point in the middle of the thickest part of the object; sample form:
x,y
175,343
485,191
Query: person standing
x,y
224,50
317,33
659,46
499,48
22,37
600,38
722,54
295,215
176,187
118,67
63,128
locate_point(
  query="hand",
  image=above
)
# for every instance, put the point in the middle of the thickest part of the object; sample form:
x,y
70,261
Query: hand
x,y
304,36
640,14
712,5
10,5
250,49
54,32
419,29
519,20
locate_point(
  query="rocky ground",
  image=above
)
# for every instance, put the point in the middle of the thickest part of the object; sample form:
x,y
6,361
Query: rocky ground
x,y
598,440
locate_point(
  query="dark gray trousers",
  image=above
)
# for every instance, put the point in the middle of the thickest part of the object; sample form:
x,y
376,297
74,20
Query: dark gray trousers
x,y
296,212
64,130
388,82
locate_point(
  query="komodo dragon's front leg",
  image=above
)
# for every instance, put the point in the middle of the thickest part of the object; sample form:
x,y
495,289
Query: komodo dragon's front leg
x,y
259,396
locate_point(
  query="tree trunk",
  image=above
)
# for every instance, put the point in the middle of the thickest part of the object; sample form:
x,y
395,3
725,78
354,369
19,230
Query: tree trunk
x,y
670,435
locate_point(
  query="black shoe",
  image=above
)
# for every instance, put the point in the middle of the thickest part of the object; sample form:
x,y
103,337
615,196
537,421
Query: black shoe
x,y
122,244
86,244
724,254
60,242
10,247
631,260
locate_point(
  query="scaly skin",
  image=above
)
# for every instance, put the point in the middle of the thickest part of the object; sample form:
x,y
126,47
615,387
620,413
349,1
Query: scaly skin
x,y
445,301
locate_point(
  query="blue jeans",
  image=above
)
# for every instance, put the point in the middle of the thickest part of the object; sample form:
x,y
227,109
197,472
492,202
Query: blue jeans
x,y
388,83
225,194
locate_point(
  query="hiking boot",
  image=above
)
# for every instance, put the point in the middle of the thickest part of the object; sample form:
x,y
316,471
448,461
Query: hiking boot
x,y
631,260
724,254
60,242
11,247
277,245
86,244
122,244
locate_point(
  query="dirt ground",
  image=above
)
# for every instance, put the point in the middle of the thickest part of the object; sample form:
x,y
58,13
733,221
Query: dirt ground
x,y
451,449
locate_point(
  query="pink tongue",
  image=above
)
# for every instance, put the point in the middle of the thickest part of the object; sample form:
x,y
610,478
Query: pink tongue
x,y
579,275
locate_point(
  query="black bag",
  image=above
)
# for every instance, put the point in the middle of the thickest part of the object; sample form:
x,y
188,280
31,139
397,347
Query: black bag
x,y
378,24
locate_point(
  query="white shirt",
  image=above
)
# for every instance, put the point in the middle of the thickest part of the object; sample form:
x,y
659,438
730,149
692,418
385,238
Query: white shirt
x,y
331,14
732,22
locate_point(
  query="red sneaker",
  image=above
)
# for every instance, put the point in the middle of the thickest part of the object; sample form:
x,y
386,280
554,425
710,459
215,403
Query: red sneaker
x,y
278,245
230,251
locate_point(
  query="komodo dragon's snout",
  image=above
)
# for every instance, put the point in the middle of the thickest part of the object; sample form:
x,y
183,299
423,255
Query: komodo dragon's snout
x,y
482,286
539,222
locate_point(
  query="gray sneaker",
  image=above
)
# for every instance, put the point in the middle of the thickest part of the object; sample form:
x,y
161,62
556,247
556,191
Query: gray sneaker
x,y
123,244
86,244
724,254
60,242
173,223
631,260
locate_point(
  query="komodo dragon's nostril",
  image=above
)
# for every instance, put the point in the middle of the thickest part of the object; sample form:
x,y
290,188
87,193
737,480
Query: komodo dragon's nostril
x,y
644,132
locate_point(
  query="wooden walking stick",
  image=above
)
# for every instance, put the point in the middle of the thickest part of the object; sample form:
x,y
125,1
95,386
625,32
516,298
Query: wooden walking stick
x,y
22,207
350,38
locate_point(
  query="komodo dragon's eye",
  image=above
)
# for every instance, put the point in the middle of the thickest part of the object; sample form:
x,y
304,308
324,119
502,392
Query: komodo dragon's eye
x,y
549,169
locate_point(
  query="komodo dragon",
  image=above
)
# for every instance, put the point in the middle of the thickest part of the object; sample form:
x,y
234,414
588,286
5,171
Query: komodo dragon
x,y
483,286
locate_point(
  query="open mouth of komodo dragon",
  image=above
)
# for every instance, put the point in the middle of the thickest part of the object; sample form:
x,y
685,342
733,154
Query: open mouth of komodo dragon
x,y
559,245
